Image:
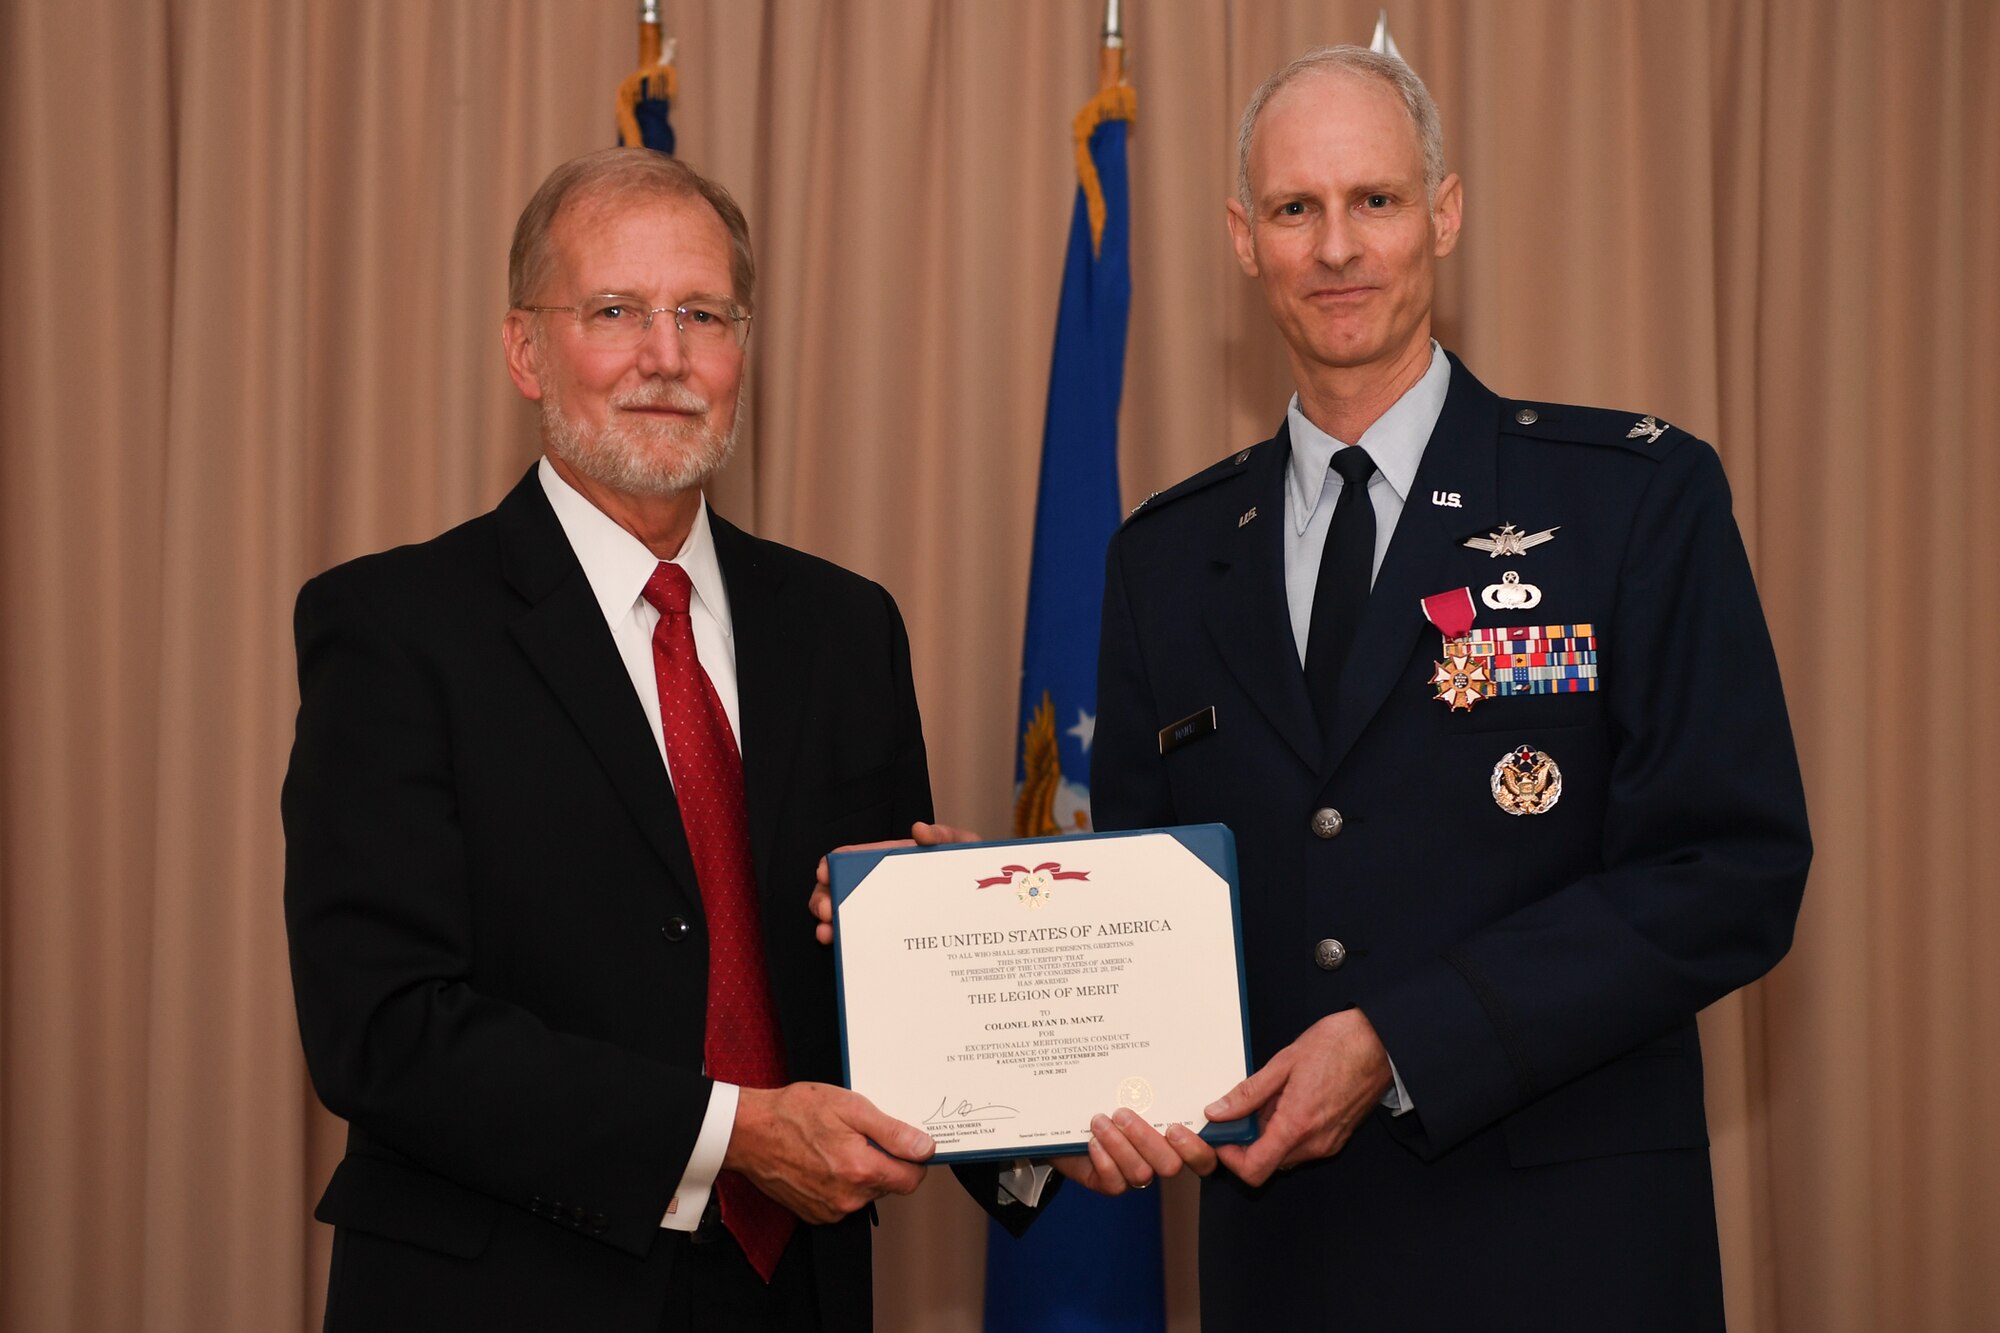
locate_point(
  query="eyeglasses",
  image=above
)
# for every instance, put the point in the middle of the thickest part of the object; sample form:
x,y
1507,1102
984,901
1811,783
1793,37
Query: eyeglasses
x,y
621,323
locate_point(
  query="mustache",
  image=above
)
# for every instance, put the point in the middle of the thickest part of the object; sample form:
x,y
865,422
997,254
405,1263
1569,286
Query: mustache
x,y
669,394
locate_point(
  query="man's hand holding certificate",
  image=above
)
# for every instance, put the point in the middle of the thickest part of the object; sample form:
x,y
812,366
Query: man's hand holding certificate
x,y
1000,995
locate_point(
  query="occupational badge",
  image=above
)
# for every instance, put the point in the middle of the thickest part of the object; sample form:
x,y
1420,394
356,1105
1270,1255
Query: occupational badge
x,y
1463,681
1510,540
1510,594
1526,782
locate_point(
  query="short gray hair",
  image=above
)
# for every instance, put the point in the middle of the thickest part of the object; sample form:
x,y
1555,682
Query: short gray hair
x,y
616,176
1361,61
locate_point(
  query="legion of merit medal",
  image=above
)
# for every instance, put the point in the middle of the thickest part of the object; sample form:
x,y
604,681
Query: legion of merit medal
x,y
1526,782
1463,682
1461,679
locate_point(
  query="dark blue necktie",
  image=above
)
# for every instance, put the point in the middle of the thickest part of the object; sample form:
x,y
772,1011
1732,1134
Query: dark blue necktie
x,y
1346,567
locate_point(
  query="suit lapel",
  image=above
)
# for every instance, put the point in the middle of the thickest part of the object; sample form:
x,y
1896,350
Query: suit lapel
x,y
1246,613
1461,457
774,651
564,636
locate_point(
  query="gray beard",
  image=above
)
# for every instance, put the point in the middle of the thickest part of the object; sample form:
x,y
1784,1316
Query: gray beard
x,y
636,457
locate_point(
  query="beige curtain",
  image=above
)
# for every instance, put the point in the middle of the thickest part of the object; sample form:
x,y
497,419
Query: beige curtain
x,y
251,274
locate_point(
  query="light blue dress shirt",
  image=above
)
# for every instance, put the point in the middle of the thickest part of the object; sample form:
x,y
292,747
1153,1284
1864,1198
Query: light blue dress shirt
x,y
1396,442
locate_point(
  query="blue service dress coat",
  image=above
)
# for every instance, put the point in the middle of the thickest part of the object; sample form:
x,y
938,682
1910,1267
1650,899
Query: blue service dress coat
x,y
1534,977
498,948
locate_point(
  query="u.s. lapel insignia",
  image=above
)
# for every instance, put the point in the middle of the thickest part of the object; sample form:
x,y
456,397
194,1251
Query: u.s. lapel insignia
x,y
1526,782
1510,540
1510,594
1248,514
1462,681
1649,428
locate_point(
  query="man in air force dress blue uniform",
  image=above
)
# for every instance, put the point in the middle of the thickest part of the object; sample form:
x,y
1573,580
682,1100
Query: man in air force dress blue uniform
x,y
1484,689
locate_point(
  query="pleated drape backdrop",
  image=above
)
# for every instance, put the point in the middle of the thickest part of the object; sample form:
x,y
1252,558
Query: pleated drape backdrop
x,y
251,275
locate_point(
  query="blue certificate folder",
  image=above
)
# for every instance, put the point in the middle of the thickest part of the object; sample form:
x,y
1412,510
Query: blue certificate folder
x,y
1213,844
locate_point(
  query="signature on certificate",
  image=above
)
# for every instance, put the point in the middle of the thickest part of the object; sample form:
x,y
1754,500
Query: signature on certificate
x,y
965,1110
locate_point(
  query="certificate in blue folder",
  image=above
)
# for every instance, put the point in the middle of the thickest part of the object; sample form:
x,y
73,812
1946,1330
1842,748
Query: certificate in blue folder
x,y
1000,994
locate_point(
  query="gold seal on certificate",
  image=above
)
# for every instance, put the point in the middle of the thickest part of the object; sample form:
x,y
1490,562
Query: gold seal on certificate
x,y
1001,994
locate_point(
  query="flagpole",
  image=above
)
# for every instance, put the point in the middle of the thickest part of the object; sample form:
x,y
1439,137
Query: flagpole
x,y
1089,1262
649,33
1111,56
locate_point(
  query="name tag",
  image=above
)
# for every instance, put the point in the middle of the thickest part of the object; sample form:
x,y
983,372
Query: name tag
x,y
1192,727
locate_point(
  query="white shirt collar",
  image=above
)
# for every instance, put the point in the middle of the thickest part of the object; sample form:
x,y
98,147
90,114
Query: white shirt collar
x,y
1396,441
617,564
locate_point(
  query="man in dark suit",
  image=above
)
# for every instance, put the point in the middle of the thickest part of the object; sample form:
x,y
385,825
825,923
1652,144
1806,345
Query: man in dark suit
x,y
546,914
1484,690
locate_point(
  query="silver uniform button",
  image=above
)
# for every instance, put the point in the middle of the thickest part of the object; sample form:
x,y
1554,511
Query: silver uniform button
x,y
1327,823
1527,416
1330,954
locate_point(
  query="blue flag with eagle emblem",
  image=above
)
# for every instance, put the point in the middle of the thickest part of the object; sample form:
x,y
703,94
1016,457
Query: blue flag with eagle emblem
x,y
1089,1264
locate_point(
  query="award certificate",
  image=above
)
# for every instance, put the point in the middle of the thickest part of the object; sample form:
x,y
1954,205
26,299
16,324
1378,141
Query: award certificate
x,y
1001,994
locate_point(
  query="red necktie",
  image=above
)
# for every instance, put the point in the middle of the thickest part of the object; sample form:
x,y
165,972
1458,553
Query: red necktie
x,y
740,1042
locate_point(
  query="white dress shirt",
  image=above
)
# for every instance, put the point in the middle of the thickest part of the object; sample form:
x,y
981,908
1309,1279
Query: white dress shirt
x,y
617,564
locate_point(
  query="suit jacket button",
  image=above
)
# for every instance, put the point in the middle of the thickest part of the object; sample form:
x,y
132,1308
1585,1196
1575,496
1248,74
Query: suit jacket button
x,y
599,1223
675,930
1330,954
1327,823
536,1206
575,1214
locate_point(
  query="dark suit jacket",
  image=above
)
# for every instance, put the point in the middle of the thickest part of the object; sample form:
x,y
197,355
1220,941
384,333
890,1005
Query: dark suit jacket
x,y
1535,978
497,940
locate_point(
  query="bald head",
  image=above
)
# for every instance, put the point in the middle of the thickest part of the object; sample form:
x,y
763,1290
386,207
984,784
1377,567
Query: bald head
x,y
1356,62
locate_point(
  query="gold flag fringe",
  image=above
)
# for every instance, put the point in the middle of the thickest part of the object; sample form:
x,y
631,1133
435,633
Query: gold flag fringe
x,y
1120,102
634,90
